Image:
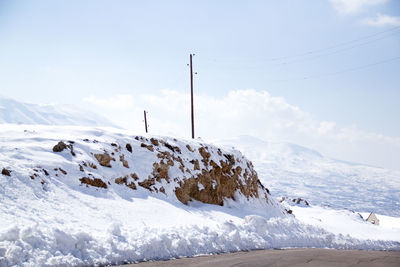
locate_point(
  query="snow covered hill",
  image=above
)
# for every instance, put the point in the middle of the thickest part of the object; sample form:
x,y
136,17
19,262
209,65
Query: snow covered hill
x,y
12,111
84,196
297,172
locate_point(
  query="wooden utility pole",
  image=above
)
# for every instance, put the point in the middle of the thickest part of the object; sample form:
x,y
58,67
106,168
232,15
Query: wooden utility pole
x,y
145,121
191,91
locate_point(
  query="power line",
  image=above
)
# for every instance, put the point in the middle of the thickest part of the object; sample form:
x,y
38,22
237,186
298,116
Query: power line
x,y
341,71
340,50
394,29
317,52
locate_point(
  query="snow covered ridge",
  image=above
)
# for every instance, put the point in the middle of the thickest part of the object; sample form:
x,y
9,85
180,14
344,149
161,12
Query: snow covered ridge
x,y
103,196
187,170
12,111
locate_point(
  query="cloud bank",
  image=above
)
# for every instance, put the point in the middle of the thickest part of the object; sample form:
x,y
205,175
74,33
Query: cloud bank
x,y
248,112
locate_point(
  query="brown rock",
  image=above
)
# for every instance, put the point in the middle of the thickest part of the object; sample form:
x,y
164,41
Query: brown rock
x,y
129,147
160,170
59,147
173,148
124,180
6,172
231,159
103,159
149,147
131,185
124,162
93,182
196,164
189,148
218,183
164,155
147,183
92,165
205,154
121,180
154,141
134,176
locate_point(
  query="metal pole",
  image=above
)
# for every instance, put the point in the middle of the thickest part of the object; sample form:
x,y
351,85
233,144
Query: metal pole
x,y
191,91
145,121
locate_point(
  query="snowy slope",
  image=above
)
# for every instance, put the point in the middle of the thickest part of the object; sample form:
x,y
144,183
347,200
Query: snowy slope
x,y
294,171
12,111
49,216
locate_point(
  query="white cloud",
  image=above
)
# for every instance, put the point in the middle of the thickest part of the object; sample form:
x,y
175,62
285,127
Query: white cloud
x,y
118,101
353,6
383,20
249,112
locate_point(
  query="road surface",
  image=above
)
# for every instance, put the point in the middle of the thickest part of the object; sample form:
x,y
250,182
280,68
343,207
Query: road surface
x,y
288,257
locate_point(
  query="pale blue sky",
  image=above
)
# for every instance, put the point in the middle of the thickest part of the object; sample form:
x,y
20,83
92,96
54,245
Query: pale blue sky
x,y
64,51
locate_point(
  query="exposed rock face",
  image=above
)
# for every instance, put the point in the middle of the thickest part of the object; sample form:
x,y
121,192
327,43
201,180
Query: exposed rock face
x,y
175,168
217,182
103,159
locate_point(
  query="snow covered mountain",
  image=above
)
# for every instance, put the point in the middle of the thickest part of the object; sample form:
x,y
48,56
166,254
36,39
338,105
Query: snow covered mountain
x,y
294,171
95,196
12,111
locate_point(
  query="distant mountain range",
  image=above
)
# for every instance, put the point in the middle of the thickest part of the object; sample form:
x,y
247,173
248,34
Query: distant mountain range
x,y
294,171
12,111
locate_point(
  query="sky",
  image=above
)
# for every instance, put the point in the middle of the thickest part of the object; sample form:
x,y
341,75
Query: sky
x,y
319,73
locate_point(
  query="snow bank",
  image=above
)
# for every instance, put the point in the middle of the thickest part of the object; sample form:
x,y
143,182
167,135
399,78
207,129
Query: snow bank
x,y
38,246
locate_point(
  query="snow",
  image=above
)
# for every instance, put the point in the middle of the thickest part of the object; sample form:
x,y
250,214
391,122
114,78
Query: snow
x,y
347,222
293,171
12,111
54,220
385,221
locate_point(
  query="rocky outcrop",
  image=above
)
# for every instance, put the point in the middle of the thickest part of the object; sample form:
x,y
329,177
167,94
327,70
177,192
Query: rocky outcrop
x,y
218,182
175,168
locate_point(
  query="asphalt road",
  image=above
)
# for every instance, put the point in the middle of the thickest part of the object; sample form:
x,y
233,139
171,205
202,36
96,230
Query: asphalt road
x,y
289,257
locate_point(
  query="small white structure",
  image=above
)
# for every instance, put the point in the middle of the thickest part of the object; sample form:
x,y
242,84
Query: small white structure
x,y
373,219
